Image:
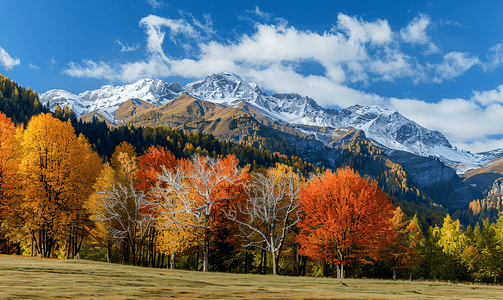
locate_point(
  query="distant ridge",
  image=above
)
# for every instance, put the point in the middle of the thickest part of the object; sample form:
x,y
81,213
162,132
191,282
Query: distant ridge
x,y
390,130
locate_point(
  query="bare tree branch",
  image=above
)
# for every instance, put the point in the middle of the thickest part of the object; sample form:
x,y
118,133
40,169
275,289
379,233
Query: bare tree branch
x,y
269,211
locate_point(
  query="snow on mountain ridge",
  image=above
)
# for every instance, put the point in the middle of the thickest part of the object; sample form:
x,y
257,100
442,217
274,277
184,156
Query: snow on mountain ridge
x,y
387,127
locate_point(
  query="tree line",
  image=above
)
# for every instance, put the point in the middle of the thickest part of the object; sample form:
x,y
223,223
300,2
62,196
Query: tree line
x,y
59,199
102,193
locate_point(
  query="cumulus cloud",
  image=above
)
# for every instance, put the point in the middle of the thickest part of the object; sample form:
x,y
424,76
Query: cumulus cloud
x,y
33,66
100,70
7,61
468,123
353,50
489,97
360,31
342,51
454,64
415,33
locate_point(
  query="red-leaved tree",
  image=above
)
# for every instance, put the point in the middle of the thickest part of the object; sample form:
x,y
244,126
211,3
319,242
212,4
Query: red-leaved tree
x,y
343,217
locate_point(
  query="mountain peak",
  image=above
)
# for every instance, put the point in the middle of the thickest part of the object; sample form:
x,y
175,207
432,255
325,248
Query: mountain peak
x,y
386,127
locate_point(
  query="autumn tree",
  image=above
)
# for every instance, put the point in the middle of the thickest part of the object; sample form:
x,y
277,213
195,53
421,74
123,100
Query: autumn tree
x,y
124,207
450,236
400,247
10,156
165,235
57,172
150,165
126,211
269,211
442,251
343,215
483,254
195,188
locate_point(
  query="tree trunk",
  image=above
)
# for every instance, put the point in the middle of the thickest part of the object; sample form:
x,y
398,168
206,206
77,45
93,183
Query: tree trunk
x,y
206,243
261,265
265,263
197,261
172,261
394,273
303,268
342,266
274,264
109,250
295,261
246,260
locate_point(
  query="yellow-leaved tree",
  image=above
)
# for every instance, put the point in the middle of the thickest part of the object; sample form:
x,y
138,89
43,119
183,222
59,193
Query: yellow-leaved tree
x,y
10,156
57,173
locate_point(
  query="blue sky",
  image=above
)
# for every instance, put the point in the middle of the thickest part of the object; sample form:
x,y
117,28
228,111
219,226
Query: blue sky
x,y
438,63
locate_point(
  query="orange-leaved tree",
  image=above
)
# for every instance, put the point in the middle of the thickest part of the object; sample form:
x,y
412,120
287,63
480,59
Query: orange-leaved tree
x,y
164,234
150,165
57,172
343,215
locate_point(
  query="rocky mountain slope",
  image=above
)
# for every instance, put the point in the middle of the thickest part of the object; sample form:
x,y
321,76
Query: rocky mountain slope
x,y
388,129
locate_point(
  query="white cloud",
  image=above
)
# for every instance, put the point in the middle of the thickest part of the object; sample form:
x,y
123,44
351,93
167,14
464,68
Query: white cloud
x,y
52,63
127,48
99,70
180,30
155,4
454,64
495,57
7,61
464,123
261,14
378,32
33,66
489,97
450,22
395,64
207,26
353,50
415,33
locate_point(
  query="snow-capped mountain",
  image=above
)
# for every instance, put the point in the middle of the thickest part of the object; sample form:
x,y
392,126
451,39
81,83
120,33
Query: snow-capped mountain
x,y
389,129
108,98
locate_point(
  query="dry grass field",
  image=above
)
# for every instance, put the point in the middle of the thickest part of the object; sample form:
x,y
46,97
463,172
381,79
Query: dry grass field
x,y
29,278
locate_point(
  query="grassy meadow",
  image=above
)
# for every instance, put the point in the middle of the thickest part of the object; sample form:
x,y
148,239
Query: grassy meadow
x,y
28,278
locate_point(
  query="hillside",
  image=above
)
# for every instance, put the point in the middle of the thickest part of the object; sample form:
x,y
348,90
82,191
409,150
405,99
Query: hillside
x,y
18,103
483,178
347,147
